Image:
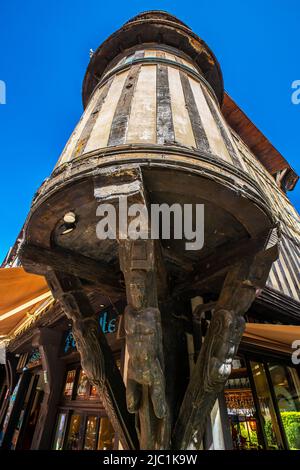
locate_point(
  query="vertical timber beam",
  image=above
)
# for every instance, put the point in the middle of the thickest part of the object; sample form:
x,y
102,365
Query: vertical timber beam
x,y
145,280
221,342
96,357
48,341
145,393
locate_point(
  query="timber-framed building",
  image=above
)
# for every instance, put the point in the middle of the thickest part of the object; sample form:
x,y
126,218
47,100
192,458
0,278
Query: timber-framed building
x,y
123,343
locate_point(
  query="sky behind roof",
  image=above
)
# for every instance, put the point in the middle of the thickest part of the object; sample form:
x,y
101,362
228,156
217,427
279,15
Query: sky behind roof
x,y
44,52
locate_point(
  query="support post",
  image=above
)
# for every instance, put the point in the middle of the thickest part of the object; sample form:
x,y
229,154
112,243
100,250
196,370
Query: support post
x,y
221,342
145,394
96,356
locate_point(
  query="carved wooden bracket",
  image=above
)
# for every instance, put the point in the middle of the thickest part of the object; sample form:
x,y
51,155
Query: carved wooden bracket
x,y
96,356
213,365
146,396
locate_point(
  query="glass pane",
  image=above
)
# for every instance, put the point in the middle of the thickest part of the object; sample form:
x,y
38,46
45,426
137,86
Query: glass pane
x,y
106,435
83,389
286,385
270,423
94,392
241,409
73,440
60,431
90,433
69,383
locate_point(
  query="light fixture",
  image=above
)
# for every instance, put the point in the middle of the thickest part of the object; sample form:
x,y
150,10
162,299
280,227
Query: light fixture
x,y
70,218
69,223
67,228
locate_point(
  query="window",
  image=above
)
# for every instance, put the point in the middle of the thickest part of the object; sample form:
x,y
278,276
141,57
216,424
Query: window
x,y
73,439
85,431
106,435
286,386
263,405
60,431
94,392
241,409
269,418
90,437
83,387
68,390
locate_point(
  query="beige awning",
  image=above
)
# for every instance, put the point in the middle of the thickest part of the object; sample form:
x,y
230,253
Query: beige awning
x,y
20,292
273,337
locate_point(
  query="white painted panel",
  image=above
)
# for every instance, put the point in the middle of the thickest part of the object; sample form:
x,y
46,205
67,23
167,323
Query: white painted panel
x,y
212,131
181,121
101,130
142,120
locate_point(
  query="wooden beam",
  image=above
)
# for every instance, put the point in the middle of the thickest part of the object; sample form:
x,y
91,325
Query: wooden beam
x,y
96,356
219,262
220,345
42,260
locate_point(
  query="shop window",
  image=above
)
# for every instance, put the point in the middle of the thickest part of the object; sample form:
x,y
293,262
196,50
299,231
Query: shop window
x,y
73,439
60,431
69,384
269,419
286,386
94,392
90,438
85,431
241,409
34,359
106,435
83,387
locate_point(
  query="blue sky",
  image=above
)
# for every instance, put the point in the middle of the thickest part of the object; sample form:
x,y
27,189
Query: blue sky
x,y
44,51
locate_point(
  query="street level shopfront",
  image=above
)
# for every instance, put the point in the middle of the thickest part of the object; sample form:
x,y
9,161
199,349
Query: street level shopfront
x,y
48,402
263,404
52,405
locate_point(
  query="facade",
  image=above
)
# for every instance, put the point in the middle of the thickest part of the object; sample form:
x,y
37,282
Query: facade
x,y
213,326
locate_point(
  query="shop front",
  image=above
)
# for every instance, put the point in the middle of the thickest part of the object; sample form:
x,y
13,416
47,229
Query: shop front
x,y
47,401
82,423
52,404
263,404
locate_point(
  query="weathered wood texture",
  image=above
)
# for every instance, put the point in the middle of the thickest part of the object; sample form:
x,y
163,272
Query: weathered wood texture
x,y
120,121
42,260
96,357
165,128
213,365
196,121
146,396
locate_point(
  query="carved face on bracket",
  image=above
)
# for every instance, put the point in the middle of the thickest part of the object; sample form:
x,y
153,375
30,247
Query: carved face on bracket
x,y
226,329
138,289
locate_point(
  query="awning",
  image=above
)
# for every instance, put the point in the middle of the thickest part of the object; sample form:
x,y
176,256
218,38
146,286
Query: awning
x,y
20,292
272,337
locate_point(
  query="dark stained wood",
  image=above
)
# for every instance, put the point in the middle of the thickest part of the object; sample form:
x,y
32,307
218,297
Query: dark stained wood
x,y
96,356
221,342
223,131
197,126
121,117
85,134
48,340
164,120
274,305
41,260
219,262
146,388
